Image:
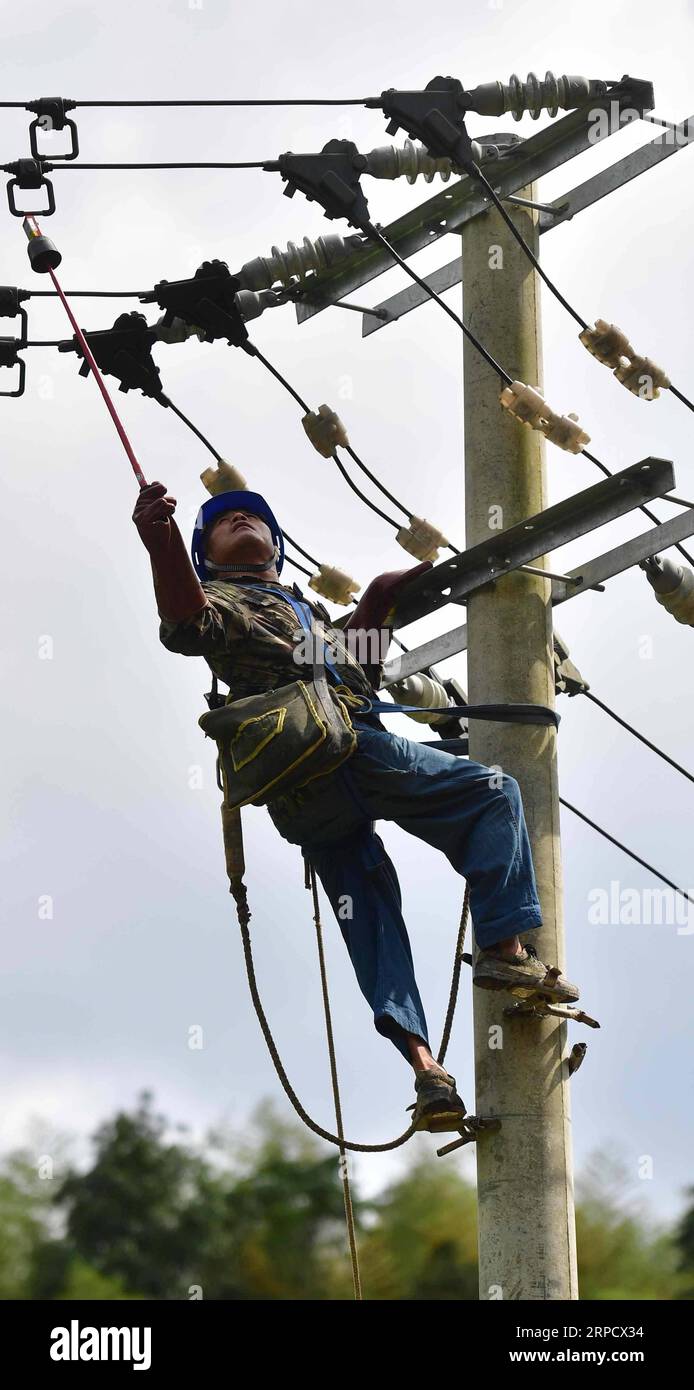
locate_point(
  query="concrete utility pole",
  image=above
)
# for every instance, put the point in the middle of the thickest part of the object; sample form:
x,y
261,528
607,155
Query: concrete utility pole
x,y
525,1179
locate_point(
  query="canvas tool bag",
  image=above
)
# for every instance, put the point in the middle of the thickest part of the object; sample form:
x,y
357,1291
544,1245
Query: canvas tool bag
x,y
271,744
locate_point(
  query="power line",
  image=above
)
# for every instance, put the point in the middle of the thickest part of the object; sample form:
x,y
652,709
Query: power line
x,y
86,294
623,847
477,174
212,101
654,748
236,164
377,235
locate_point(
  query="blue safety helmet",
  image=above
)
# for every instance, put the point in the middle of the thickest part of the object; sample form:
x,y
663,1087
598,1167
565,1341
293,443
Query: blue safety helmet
x,y
239,501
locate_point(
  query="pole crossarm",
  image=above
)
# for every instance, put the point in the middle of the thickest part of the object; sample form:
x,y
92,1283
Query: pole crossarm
x,y
453,579
606,566
450,209
624,556
553,214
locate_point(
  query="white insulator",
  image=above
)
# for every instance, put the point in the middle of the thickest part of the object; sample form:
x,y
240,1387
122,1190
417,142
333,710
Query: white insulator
x,y
178,331
421,690
251,304
297,261
533,95
224,478
392,161
674,588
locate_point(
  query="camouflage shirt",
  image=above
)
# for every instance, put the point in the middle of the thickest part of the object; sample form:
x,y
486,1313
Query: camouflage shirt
x,y
247,637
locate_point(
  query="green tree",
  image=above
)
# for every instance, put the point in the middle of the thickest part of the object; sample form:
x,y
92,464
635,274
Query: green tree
x,y
621,1254
423,1243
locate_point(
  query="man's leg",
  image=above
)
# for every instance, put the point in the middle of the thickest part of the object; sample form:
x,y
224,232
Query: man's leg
x,y
363,889
470,813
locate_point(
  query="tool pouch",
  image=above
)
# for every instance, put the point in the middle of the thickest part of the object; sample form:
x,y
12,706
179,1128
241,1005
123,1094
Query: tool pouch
x,y
272,743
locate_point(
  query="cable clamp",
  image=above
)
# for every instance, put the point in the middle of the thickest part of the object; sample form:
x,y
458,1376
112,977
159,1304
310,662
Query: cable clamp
x,y
29,173
334,584
207,302
643,378
421,539
224,478
436,117
124,351
330,178
11,307
527,404
611,346
51,115
325,430
9,358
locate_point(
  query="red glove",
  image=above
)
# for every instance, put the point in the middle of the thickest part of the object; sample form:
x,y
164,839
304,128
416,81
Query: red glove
x,y
178,590
379,597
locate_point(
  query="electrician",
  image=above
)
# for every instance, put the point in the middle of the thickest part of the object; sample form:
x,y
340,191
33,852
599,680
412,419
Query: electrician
x,y
233,610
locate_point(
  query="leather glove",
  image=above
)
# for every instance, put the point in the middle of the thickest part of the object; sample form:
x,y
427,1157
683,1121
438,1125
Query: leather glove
x,y
378,599
178,590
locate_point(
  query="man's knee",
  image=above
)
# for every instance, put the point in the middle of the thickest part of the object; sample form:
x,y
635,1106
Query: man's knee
x,y
510,786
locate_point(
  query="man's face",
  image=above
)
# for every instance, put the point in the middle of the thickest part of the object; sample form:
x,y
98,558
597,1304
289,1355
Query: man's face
x,y
236,537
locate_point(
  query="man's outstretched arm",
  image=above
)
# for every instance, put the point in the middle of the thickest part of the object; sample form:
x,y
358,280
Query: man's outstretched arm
x,y
178,590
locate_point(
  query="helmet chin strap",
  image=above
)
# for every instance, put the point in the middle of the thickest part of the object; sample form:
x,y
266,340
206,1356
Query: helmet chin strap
x,y
254,568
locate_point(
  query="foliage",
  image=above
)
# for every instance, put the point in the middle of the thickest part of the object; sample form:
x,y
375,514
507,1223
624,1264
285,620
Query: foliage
x,y
155,1215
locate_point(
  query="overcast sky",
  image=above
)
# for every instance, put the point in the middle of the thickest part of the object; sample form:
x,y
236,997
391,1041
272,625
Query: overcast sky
x,y
104,814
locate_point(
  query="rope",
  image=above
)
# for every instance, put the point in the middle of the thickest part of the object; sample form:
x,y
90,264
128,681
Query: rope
x,y
349,1212
235,863
238,891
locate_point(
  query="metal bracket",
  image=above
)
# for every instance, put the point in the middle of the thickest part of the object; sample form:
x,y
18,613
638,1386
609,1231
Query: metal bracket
x,y
452,580
623,556
9,358
605,566
450,209
552,215
54,110
537,1007
469,1131
29,173
567,677
11,307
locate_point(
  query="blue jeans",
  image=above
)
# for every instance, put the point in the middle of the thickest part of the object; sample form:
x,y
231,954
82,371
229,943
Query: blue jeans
x,y
475,817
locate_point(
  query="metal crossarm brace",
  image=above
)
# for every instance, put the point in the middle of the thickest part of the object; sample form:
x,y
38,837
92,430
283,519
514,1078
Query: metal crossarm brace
x,y
624,556
450,209
606,566
551,215
452,580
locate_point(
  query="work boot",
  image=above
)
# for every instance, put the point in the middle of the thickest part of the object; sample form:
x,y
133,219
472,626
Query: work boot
x,y
523,976
438,1107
